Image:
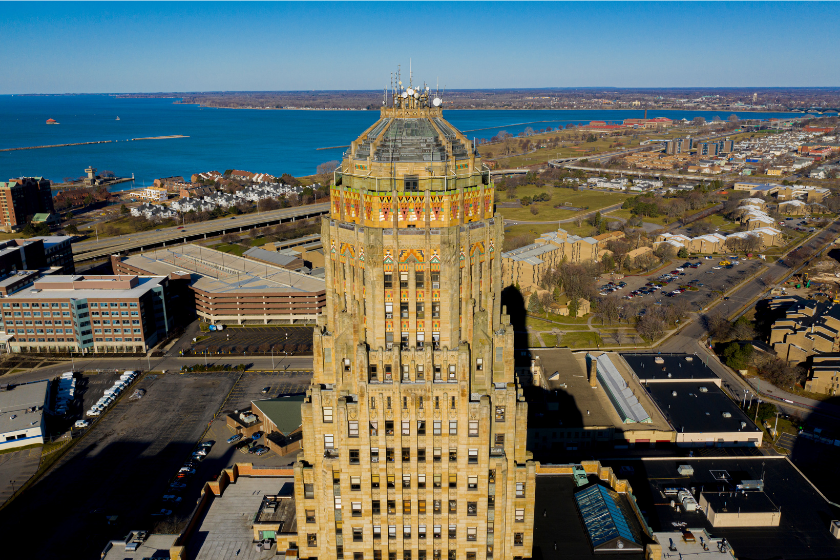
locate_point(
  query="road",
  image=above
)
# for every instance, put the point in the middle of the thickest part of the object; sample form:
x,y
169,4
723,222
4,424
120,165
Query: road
x,y
741,300
91,250
169,363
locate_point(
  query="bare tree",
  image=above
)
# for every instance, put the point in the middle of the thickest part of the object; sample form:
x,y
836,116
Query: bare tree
x,y
324,172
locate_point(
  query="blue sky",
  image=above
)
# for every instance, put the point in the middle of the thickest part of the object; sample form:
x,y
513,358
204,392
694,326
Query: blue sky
x,y
157,46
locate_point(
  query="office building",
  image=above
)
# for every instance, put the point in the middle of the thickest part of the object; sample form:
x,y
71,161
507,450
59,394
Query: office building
x,y
83,313
414,427
22,198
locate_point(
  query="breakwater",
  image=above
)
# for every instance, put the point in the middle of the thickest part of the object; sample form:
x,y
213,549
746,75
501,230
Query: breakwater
x,y
88,143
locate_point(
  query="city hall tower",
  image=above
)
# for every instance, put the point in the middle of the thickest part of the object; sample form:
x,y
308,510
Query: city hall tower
x,y
414,427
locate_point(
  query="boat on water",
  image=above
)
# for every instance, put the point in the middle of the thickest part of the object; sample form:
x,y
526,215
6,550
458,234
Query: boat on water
x,y
118,118
52,121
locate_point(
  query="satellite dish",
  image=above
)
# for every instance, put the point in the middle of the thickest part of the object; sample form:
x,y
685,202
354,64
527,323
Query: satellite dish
x,y
436,102
427,88
416,95
410,91
404,94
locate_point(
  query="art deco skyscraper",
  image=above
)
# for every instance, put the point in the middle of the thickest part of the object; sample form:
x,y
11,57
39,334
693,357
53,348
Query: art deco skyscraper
x,y
414,428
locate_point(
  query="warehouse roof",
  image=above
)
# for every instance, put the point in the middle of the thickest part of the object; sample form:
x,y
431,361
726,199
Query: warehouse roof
x,y
699,408
21,407
668,367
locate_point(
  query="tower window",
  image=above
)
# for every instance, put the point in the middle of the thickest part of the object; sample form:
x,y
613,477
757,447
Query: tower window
x,y
411,184
403,280
419,280
435,280
389,281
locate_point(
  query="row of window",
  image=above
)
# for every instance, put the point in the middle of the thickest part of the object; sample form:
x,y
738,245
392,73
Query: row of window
x,y
118,339
39,331
117,322
117,331
34,305
518,539
419,280
419,310
437,479
29,322
114,314
49,340
353,426
36,314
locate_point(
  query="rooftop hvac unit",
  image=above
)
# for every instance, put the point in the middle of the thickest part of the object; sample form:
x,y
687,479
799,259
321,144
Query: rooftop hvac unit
x,y
835,528
704,389
727,415
685,470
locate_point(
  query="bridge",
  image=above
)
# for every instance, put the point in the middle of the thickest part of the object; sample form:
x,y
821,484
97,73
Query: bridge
x,y
95,250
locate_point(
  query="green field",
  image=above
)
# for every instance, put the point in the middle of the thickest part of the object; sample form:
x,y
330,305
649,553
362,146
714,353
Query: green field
x,y
586,200
584,339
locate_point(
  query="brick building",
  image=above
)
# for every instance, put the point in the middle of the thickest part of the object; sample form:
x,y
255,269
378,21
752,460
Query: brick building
x,y
223,288
20,199
97,314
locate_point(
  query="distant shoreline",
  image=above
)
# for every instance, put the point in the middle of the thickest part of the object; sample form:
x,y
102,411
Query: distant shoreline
x,y
203,106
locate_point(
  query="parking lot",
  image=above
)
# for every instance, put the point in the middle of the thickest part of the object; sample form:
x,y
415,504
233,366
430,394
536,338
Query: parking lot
x,y
253,340
710,279
121,468
126,463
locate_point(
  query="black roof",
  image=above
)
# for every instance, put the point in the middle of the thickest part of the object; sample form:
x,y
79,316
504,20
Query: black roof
x,y
562,524
673,366
693,410
803,531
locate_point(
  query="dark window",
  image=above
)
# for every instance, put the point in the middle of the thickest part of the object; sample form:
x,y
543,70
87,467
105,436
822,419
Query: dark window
x,y
354,456
375,506
389,281
472,508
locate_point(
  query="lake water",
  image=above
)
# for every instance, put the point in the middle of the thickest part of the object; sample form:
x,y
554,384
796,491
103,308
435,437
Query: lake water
x,y
270,141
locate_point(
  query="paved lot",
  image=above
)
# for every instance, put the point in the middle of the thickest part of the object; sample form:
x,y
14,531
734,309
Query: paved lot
x,y
787,441
250,340
121,468
16,468
713,281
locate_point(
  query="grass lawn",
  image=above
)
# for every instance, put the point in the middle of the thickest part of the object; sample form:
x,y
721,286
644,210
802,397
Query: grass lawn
x,y
258,242
719,221
234,249
585,339
620,213
550,340
585,199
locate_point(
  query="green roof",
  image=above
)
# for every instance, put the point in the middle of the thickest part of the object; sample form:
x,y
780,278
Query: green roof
x,y
284,412
41,217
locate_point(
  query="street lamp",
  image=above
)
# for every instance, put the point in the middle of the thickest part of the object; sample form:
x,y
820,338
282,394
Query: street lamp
x,y
272,357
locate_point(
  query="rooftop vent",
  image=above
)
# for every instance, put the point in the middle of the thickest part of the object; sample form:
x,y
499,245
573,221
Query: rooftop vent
x,y
689,358
704,389
727,415
659,360
673,393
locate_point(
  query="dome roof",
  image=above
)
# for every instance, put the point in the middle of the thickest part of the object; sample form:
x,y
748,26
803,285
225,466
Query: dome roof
x,y
422,139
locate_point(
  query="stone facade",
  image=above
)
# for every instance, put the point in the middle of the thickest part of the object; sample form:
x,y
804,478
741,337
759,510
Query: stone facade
x,y
414,426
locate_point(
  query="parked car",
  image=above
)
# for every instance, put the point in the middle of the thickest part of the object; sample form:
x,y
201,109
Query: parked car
x,y
265,390
207,444
171,498
93,413
81,424
261,451
187,470
256,436
234,439
162,513
177,485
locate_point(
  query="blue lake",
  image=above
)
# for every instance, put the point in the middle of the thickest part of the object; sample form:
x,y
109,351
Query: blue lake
x,y
267,141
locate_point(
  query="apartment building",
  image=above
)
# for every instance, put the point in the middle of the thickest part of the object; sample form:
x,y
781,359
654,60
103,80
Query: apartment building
x,y
87,313
824,374
151,194
805,328
525,266
22,198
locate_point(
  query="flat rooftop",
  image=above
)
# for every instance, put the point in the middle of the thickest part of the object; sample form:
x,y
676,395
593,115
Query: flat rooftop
x,y
221,273
154,546
76,286
557,521
699,407
803,531
17,403
666,367
740,502
683,549
225,531
576,403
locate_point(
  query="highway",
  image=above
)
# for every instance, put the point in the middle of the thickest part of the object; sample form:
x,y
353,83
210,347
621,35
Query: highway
x,y
92,250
